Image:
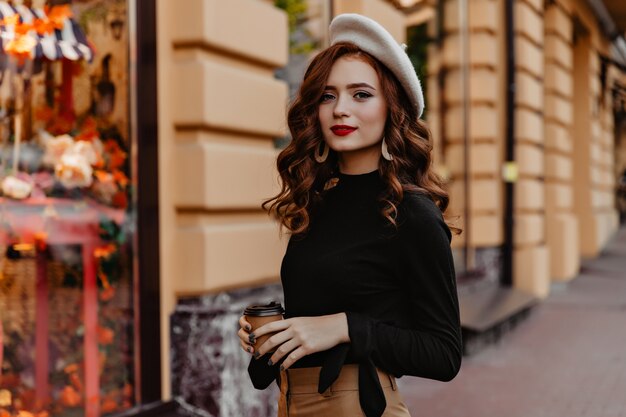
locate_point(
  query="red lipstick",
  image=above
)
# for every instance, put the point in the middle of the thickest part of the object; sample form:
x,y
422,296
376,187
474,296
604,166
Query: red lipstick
x,y
342,130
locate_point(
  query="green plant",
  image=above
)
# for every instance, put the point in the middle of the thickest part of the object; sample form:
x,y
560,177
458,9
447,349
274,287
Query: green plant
x,y
296,14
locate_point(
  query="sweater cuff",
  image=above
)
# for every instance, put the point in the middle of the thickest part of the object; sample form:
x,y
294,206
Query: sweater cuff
x,y
360,332
261,374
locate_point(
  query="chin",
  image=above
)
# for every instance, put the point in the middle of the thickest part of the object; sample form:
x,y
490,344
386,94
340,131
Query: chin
x,y
350,147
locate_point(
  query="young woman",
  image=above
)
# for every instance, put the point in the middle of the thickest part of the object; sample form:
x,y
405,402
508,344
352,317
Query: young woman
x,y
368,275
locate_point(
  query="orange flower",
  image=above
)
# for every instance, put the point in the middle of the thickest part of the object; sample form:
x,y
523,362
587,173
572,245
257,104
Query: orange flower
x,y
101,175
69,397
58,14
4,413
110,145
104,251
127,391
99,163
108,405
11,20
41,239
72,367
87,135
121,178
104,279
43,26
120,200
102,358
18,26
117,159
21,46
23,28
76,382
105,335
107,294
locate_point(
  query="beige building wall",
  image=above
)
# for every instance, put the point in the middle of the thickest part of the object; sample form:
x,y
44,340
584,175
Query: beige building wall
x,y
531,259
593,135
561,222
384,13
485,116
219,109
564,195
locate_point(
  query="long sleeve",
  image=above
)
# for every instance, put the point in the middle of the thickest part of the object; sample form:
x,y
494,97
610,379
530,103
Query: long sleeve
x,y
431,348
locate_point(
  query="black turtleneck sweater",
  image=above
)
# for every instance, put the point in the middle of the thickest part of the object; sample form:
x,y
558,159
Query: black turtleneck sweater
x,y
397,287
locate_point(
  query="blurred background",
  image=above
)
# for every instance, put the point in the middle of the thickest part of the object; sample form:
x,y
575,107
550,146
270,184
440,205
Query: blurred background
x,y
138,139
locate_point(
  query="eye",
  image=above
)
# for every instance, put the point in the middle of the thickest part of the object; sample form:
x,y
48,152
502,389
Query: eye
x,y
326,97
362,95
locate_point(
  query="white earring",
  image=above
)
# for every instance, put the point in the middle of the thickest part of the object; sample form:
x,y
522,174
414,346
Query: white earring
x,y
385,151
321,157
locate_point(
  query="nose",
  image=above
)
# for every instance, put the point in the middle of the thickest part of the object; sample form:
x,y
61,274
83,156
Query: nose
x,y
341,107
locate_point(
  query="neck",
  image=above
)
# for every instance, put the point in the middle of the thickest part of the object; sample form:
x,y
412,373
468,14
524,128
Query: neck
x,y
360,161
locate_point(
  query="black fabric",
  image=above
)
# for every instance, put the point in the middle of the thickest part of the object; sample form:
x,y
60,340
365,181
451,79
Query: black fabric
x,y
397,287
330,370
260,373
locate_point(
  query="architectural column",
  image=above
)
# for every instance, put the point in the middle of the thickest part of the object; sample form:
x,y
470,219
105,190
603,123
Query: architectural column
x,y
593,141
561,222
227,107
484,130
220,108
606,178
531,263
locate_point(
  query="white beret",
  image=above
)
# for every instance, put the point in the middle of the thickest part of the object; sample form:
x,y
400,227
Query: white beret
x,y
371,37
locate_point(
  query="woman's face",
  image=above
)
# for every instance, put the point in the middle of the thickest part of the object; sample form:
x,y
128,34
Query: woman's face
x,y
353,111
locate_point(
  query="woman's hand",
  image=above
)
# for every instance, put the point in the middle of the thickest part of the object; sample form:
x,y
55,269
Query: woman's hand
x,y
244,335
301,336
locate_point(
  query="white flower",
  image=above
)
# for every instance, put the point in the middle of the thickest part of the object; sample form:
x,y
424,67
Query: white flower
x,y
55,148
74,170
16,188
86,150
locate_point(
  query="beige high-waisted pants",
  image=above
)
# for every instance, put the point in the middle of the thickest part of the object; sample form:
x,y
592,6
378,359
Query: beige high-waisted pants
x,y
299,396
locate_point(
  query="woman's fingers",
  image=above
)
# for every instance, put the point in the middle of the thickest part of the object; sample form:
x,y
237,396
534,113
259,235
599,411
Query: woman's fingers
x,y
273,341
283,350
245,344
243,323
272,327
246,347
293,357
243,335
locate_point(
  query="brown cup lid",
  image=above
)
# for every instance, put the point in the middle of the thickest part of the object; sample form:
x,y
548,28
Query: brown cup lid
x,y
270,309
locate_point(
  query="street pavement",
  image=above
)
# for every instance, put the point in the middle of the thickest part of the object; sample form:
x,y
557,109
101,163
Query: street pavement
x,y
567,359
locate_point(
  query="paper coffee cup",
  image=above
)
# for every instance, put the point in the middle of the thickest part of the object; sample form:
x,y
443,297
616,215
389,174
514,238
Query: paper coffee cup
x,y
258,315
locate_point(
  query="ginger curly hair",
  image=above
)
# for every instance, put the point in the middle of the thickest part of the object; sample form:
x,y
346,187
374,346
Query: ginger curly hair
x,y
304,180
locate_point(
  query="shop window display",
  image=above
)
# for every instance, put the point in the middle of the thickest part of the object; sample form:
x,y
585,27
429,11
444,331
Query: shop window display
x,y
66,210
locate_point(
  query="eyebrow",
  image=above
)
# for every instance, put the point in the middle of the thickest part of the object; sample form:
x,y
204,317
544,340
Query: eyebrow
x,y
350,86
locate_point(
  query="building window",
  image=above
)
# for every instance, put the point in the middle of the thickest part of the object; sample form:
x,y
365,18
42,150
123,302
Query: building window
x,y
67,212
